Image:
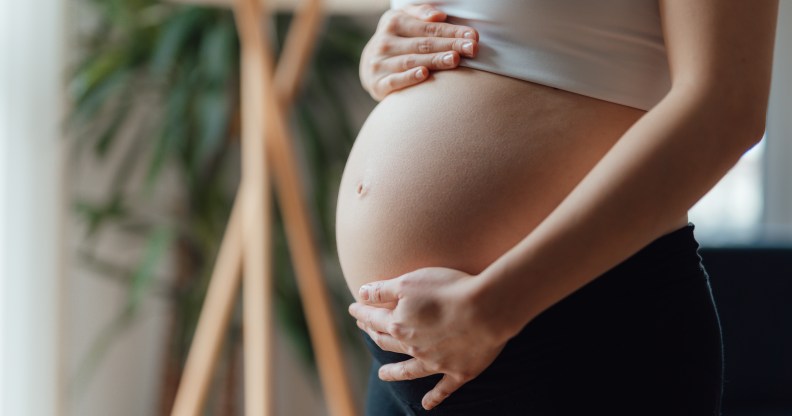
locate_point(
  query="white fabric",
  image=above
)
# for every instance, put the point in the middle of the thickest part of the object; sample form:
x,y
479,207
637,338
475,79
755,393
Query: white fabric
x,y
607,49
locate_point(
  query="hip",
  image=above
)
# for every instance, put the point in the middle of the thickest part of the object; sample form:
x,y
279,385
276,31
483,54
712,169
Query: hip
x,y
643,338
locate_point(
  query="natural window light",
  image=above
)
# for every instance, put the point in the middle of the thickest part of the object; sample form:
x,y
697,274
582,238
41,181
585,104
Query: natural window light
x,y
2,258
732,211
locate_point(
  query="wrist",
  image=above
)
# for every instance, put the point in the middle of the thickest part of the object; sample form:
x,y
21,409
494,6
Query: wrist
x,y
496,305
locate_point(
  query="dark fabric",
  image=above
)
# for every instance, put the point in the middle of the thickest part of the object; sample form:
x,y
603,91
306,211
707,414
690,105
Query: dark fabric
x,y
642,339
754,290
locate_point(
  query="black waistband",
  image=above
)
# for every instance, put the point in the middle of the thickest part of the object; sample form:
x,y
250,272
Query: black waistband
x,y
672,257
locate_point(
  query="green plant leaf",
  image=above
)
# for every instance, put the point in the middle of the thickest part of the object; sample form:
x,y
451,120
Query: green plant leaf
x,y
178,65
214,109
156,248
176,35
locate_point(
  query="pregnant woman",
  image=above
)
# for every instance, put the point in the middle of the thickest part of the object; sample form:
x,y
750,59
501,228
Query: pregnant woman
x,y
515,231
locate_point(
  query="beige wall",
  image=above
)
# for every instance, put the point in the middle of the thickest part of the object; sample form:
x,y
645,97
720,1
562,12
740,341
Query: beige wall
x,y
128,379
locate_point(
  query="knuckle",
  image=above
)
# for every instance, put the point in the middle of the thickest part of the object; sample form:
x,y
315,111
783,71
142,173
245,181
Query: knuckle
x,y
395,329
392,23
375,65
433,29
405,372
382,46
408,62
368,318
434,367
414,351
408,334
465,375
423,45
407,281
375,90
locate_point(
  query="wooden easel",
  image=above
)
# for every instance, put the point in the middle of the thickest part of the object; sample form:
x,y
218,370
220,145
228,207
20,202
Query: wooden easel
x,y
266,148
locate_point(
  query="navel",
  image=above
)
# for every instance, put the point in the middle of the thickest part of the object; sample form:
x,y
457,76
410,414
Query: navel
x,y
362,189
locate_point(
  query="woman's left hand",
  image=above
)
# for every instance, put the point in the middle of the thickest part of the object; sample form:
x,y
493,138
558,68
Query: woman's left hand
x,y
442,318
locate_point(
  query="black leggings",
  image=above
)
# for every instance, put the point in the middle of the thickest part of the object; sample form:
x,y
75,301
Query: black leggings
x,y
642,339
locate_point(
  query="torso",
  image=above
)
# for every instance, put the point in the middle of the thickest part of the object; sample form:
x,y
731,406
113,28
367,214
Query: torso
x,y
455,171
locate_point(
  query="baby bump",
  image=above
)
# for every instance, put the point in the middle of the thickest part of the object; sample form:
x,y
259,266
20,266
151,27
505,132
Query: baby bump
x,y
456,171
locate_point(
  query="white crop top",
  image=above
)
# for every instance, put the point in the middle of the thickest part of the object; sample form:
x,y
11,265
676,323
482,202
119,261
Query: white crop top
x,y
607,49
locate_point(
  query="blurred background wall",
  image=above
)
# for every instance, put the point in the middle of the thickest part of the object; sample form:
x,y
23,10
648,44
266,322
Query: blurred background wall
x,y
102,268
31,206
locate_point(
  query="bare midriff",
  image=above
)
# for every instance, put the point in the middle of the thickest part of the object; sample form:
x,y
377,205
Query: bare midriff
x,y
455,171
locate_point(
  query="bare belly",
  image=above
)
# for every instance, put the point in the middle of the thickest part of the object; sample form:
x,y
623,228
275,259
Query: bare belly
x,y
457,170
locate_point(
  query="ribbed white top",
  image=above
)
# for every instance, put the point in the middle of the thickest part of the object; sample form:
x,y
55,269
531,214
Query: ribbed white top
x,y
607,49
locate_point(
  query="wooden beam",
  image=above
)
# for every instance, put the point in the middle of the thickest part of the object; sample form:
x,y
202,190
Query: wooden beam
x,y
213,322
331,6
270,99
256,216
299,235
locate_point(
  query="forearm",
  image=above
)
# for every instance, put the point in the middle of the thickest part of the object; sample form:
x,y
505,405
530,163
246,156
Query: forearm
x,y
656,171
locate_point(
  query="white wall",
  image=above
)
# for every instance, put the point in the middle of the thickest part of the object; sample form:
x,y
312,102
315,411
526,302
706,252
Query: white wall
x,y
31,200
778,156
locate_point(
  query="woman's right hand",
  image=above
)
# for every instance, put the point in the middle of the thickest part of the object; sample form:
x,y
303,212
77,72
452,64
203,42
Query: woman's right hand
x,y
408,43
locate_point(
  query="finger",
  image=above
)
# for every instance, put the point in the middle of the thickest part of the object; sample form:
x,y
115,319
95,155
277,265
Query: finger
x,y
386,290
440,392
407,26
395,82
374,318
400,46
384,341
433,61
425,12
405,370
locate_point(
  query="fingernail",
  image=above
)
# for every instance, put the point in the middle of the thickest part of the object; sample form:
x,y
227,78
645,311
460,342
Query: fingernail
x,y
467,47
419,73
468,35
448,59
364,292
